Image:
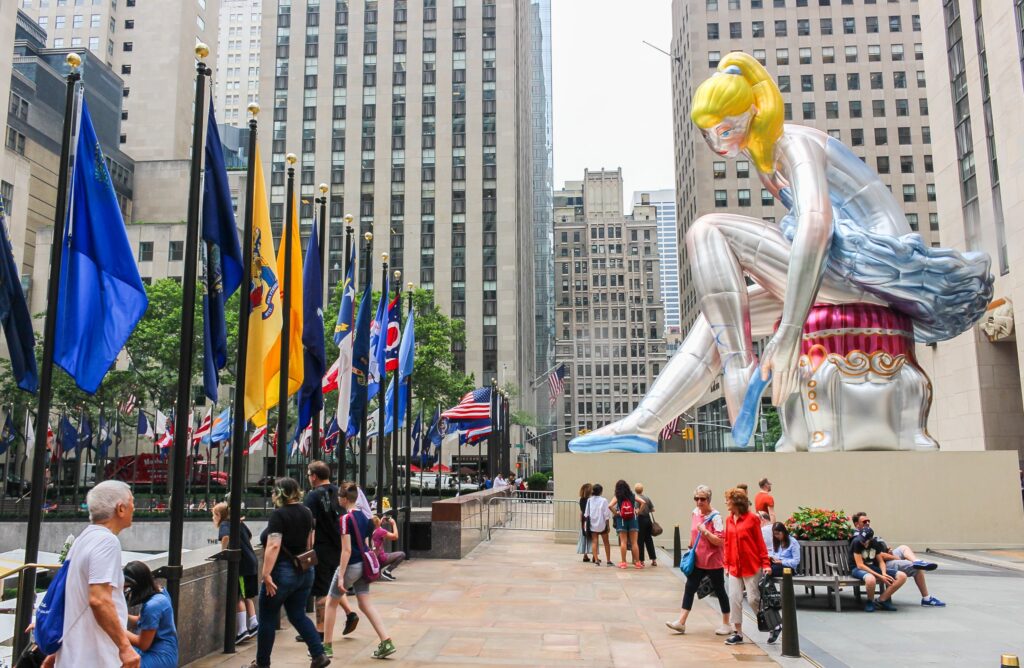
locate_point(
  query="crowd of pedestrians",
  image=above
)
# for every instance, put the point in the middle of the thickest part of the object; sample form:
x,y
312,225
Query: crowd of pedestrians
x,y
327,544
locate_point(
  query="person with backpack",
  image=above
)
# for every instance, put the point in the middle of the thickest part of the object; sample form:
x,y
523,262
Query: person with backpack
x,y
247,625
625,507
157,637
322,501
358,568
84,616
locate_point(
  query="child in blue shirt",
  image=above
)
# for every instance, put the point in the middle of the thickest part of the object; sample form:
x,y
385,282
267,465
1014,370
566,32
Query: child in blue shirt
x,y
157,638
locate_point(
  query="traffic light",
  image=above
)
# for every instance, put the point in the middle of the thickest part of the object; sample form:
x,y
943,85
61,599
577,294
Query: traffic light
x,y
517,465
687,433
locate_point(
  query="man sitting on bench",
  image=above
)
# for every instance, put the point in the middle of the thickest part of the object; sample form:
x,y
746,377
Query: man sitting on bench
x,y
867,563
903,559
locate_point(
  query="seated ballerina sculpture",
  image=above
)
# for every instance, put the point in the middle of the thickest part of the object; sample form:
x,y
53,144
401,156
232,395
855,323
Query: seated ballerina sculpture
x,y
843,253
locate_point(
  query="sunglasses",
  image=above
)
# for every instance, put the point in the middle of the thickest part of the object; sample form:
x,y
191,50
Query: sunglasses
x,y
698,499
865,521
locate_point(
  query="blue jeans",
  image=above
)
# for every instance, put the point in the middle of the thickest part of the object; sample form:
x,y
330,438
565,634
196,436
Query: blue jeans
x,y
292,591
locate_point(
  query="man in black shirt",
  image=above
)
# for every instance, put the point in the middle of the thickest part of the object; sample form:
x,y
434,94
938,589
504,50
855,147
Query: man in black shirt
x,y
867,563
322,501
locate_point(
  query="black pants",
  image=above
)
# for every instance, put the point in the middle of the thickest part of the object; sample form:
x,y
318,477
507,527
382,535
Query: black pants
x,y
644,538
777,570
717,577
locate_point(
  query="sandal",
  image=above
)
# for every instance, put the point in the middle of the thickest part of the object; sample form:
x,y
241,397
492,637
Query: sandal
x,y
622,564
638,565
597,562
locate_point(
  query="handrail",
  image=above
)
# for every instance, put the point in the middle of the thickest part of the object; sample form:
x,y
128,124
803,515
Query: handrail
x,y
19,569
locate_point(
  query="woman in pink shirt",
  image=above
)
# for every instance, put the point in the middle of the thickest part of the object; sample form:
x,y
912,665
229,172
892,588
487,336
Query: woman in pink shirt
x,y
707,523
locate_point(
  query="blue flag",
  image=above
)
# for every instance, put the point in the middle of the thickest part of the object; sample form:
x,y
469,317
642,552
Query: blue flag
x,y
14,316
223,258
84,434
417,433
343,326
68,436
389,409
331,435
379,342
407,352
101,296
143,428
360,363
438,426
220,430
7,435
314,357
103,444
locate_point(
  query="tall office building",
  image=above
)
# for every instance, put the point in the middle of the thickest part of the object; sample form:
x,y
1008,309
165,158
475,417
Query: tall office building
x,y
237,80
975,68
853,70
664,202
608,301
419,115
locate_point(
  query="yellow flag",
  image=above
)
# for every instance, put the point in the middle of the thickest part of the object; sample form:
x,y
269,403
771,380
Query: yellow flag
x,y
261,362
293,284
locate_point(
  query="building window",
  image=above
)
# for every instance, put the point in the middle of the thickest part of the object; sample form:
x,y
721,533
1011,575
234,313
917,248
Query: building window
x,y
783,81
175,251
719,169
742,169
782,56
857,137
15,141
871,24
781,29
910,193
126,46
830,82
757,28
874,53
743,195
906,164
721,199
805,56
853,81
851,54
145,251
878,108
904,136
808,111
903,107
855,109
760,56
713,58
828,54
897,52
826,26
882,164
849,25
912,220
712,31
895,24
832,109
933,222
899,79
803,27
881,136
766,197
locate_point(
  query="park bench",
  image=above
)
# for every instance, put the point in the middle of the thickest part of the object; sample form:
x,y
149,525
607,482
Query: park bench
x,y
826,563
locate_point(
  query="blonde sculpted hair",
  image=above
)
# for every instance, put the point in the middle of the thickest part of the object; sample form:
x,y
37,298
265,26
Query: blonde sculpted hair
x,y
739,84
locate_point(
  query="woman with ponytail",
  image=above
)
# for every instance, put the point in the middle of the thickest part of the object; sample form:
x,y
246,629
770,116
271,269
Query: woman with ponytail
x,y
844,240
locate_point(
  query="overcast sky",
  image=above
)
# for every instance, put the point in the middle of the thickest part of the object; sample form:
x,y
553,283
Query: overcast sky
x,y
612,94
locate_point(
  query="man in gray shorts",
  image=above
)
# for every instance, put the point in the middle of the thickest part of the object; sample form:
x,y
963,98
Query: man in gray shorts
x,y
902,558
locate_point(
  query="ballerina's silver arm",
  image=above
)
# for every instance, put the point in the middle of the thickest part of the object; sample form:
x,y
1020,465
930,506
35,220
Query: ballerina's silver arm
x,y
802,163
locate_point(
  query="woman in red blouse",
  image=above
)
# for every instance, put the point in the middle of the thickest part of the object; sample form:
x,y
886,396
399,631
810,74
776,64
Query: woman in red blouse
x,y
746,557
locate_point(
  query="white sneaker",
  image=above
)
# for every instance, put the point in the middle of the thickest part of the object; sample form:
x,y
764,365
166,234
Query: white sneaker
x,y
676,626
723,630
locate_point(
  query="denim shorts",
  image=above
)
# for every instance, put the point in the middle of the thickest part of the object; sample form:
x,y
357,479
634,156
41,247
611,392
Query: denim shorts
x,y
626,525
860,573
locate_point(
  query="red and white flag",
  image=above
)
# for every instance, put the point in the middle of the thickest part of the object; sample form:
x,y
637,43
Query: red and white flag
x,y
256,440
330,381
670,429
204,428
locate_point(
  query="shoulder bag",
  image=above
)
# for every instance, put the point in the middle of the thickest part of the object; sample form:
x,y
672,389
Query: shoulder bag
x,y
371,565
656,529
303,561
689,561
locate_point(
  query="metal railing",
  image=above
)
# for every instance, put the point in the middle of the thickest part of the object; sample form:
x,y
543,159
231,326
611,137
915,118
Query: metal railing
x,y
532,511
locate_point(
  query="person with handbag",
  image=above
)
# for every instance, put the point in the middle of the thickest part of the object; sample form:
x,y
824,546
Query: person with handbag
x,y
358,567
287,576
583,544
704,562
746,558
645,519
625,506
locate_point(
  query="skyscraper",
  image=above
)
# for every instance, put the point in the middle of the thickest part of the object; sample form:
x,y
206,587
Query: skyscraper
x,y
420,116
855,71
664,202
238,60
608,301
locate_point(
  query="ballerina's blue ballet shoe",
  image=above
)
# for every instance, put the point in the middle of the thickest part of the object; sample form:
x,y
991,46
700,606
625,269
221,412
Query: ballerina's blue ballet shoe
x,y
744,427
613,443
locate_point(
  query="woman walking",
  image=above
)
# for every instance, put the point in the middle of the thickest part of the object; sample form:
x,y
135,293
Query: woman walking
x,y
625,506
707,524
289,533
644,520
598,516
583,545
746,557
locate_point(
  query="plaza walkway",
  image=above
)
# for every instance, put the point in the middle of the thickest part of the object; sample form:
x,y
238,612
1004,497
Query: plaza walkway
x,y
523,599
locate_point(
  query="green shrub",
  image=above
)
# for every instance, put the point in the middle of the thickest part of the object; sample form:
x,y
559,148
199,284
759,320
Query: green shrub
x,y
538,482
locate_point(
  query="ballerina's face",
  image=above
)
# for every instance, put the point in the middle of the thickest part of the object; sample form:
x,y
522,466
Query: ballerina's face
x,y
729,136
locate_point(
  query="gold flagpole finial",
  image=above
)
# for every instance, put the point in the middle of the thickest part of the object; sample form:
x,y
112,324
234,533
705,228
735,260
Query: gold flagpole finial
x,y
202,51
73,60
253,108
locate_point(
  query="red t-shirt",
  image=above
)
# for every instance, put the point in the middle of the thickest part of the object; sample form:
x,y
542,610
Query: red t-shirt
x,y
745,551
762,501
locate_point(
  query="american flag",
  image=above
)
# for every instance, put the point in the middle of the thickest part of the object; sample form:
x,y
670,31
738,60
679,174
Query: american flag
x,y
128,405
204,428
476,405
556,384
670,429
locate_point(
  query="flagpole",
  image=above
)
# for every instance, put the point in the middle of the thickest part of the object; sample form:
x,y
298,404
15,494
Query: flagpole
x,y
27,588
135,460
314,447
343,428
382,391
182,411
408,440
492,448
7,461
78,460
281,461
396,379
362,429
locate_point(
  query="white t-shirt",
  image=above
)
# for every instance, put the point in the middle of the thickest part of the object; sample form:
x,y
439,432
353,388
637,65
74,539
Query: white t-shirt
x,y
500,483
598,512
95,559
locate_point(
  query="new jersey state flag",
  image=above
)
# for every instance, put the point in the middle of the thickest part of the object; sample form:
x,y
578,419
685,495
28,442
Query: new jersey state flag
x,y
261,366
293,284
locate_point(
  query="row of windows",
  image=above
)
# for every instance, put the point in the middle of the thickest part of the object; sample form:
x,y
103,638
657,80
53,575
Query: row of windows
x,y
851,54
712,5
782,58
743,196
175,251
803,27
876,81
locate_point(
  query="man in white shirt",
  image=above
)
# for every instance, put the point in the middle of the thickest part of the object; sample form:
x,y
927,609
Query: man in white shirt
x,y
95,611
499,482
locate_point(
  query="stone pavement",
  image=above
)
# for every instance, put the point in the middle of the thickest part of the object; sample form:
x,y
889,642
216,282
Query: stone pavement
x,y
982,620
524,599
